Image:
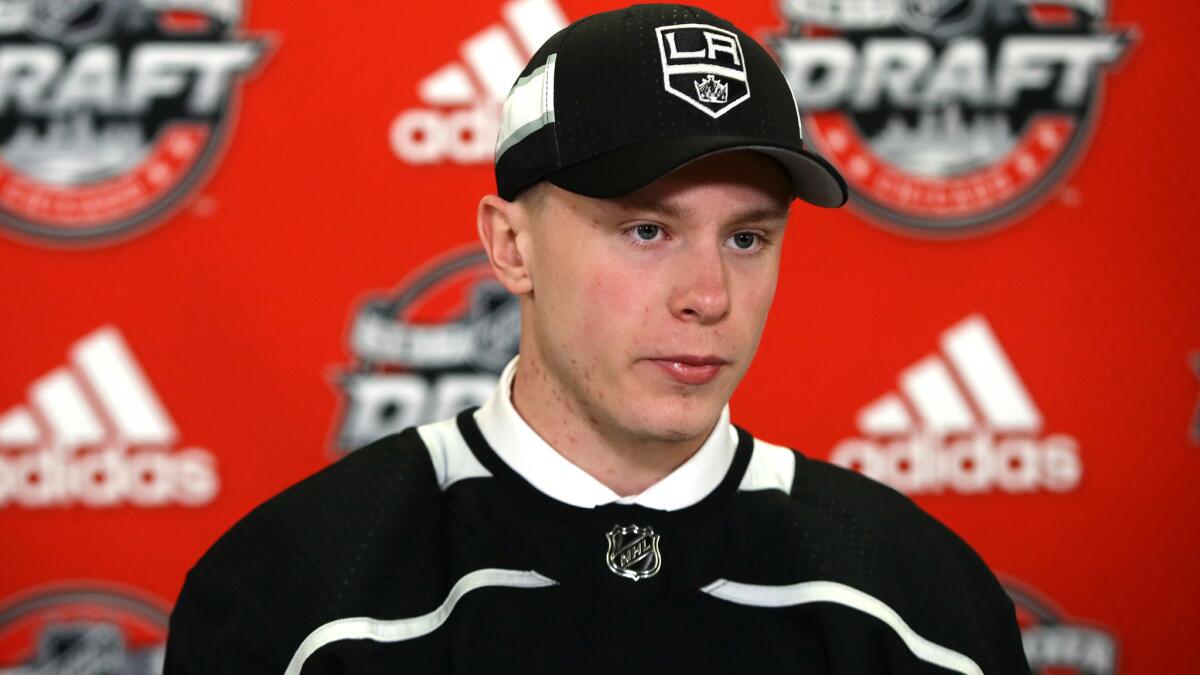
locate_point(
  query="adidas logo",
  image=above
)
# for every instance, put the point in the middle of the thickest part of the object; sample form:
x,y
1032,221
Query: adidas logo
x,y
94,433
465,97
961,422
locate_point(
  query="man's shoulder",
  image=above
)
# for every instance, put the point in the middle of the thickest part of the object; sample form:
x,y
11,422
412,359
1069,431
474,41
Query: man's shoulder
x,y
827,490
378,506
840,520
324,548
391,474
831,488
862,549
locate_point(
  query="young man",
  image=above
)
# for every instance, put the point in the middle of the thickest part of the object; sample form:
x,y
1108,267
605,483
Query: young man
x,y
600,514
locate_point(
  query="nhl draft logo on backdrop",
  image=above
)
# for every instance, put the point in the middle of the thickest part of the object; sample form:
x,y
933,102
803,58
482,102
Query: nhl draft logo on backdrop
x,y
703,65
948,114
1055,644
633,552
111,110
84,630
425,352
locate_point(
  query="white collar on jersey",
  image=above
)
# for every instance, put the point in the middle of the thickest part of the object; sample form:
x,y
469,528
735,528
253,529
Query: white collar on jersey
x,y
520,447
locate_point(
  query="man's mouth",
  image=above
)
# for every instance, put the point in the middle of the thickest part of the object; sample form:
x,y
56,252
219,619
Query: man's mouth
x,y
690,369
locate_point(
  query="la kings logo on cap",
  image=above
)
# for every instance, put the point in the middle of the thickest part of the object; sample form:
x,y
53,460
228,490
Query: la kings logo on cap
x,y
703,65
111,110
945,115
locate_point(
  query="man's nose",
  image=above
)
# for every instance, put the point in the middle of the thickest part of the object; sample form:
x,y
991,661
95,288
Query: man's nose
x,y
701,290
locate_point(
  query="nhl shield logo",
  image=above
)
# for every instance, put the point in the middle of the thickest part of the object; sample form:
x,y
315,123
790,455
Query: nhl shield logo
x,y
633,552
703,65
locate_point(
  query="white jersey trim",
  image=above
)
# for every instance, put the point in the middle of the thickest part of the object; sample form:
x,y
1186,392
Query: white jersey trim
x,y
552,474
755,595
397,630
452,459
772,467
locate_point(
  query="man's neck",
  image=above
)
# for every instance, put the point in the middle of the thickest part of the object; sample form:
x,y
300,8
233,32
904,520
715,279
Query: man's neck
x,y
626,463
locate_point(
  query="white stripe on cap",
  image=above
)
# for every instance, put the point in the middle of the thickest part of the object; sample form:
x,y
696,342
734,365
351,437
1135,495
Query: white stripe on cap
x,y
529,107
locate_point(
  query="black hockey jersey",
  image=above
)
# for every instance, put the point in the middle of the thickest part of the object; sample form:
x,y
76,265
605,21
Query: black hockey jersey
x,y
425,553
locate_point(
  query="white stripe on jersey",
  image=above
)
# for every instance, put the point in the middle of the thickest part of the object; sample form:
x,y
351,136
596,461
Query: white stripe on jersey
x,y
452,459
756,595
397,630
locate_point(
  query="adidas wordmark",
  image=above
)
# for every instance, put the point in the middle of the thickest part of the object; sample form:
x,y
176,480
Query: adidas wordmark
x,y
94,433
962,422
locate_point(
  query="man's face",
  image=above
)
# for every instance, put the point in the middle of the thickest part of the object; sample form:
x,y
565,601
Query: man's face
x,y
646,310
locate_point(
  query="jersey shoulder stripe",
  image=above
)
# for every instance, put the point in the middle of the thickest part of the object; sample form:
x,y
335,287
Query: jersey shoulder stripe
x,y
771,467
452,459
398,630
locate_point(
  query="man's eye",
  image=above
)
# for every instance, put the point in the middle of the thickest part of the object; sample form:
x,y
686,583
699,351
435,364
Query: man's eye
x,y
745,240
647,232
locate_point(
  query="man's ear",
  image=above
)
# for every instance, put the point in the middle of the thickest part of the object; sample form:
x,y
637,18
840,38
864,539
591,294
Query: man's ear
x,y
501,224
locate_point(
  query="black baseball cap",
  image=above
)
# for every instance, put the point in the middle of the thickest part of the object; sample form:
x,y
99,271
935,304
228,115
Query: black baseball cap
x,y
619,99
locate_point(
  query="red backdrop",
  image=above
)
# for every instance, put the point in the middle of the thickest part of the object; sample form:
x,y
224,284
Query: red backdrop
x,y
234,309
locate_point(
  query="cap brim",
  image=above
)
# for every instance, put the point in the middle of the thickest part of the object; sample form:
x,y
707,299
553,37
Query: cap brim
x,y
625,170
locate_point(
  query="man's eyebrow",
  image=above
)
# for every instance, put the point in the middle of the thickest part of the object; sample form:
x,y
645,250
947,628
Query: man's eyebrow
x,y
760,214
672,210
666,208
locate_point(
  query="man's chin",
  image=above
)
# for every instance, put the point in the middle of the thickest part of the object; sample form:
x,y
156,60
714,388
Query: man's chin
x,y
680,425
656,411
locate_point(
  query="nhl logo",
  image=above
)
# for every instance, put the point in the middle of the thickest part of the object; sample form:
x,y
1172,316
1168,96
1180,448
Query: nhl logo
x,y
633,552
703,65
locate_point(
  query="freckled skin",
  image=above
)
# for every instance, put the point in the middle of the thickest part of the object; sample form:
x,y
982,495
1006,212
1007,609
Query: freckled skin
x,y
605,305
